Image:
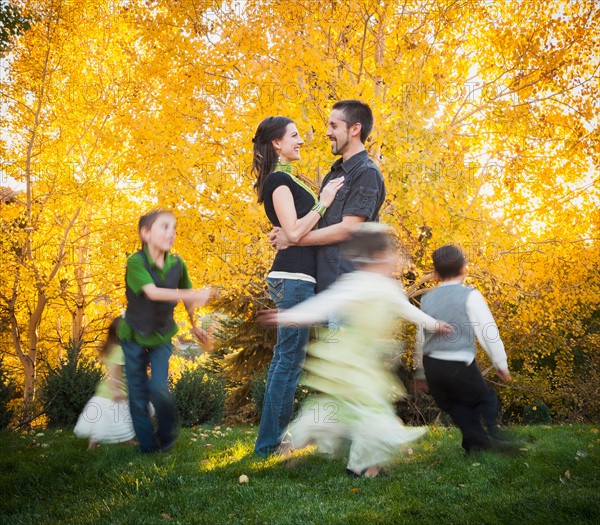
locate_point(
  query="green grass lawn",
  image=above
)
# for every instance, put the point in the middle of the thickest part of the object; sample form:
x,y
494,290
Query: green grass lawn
x,y
52,478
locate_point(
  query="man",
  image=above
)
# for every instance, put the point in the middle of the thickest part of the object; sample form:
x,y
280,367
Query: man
x,y
358,200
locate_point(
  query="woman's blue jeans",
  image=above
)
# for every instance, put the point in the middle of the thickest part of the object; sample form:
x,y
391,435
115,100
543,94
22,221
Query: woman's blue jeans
x,y
288,358
143,390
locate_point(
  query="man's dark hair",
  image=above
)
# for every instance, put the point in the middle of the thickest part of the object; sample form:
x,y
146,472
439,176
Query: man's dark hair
x,y
448,261
356,112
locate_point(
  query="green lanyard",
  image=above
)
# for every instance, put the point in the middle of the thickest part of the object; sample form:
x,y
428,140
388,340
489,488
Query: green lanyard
x,y
286,167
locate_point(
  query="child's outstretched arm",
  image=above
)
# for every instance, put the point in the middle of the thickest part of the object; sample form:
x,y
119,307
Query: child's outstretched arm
x,y
423,321
486,331
203,336
193,298
320,307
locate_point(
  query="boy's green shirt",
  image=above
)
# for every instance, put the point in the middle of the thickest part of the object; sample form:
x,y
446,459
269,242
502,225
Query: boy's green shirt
x,y
137,278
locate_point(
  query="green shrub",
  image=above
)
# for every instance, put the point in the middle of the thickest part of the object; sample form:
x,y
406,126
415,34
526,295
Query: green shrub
x,y
67,388
257,389
8,392
537,414
200,397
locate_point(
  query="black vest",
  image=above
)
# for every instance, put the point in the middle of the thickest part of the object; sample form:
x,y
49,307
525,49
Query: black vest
x,y
146,316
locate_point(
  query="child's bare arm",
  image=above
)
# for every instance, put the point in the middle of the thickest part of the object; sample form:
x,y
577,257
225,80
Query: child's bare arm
x,y
203,335
504,375
192,297
115,382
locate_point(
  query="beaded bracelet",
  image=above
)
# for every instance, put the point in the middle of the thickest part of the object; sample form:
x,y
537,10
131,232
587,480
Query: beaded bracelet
x,y
319,208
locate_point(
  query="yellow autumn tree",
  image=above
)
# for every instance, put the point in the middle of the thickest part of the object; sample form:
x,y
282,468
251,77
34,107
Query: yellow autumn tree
x,y
486,133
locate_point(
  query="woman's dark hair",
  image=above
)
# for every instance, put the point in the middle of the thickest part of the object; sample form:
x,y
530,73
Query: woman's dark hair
x,y
356,112
448,261
265,157
370,238
111,338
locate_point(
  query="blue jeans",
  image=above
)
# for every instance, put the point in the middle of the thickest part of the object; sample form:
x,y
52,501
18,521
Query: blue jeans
x,y
288,358
143,390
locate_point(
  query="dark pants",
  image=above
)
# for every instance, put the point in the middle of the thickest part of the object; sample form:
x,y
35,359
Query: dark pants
x,y
461,392
143,390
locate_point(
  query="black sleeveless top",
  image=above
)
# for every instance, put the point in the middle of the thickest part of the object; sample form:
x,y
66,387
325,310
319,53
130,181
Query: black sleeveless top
x,y
295,259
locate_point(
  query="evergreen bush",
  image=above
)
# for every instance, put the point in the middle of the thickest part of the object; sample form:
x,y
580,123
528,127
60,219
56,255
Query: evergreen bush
x,y
66,389
200,397
537,414
8,392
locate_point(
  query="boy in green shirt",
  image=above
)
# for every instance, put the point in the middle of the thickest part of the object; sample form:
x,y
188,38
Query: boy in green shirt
x,y
156,281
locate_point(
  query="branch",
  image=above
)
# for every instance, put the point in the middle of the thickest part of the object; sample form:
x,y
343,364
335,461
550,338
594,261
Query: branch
x,y
411,292
362,48
61,250
42,412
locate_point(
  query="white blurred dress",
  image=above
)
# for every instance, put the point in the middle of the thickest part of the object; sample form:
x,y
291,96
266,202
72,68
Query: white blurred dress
x,y
104,420
346,366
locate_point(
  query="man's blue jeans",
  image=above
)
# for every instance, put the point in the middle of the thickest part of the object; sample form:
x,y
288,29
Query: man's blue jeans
x,y
143,390
288,358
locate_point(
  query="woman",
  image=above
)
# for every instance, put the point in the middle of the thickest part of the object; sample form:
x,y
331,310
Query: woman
x,y
291,205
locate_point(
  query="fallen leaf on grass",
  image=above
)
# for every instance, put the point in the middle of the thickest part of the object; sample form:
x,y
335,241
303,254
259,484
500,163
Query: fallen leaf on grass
x,y
567,474
208,445
166,516
355,490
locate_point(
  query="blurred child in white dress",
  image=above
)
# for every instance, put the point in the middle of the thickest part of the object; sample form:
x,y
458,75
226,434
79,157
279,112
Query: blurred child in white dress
x,y
346,367
105,417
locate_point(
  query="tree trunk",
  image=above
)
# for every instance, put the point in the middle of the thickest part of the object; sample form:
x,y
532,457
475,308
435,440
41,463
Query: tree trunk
x,y
78,316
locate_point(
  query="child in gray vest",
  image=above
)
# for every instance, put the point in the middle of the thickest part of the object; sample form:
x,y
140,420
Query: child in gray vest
x,y
446,363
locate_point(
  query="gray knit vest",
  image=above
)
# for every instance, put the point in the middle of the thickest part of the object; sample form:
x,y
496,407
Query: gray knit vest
x,y
449,303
